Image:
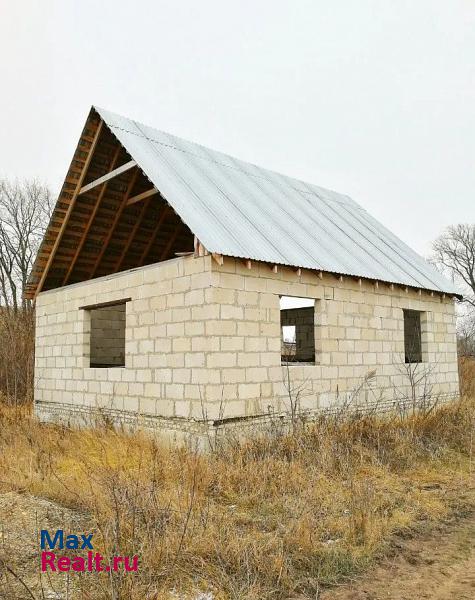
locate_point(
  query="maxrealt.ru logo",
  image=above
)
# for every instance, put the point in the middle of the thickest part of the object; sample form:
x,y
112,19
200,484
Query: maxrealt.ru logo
x,y
92,562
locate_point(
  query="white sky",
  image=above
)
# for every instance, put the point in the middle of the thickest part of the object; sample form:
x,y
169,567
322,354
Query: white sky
x,y
374,98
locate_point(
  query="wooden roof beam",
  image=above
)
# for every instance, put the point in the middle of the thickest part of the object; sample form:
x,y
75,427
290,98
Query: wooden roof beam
x,y
200,250
142,196
64,223
136,226
153,237
116,220
90,186
91,218
171,241
218,258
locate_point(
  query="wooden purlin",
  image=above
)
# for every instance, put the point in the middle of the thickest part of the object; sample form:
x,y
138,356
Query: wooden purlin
x,y
82,175
116,220
152,192
91,217
115,173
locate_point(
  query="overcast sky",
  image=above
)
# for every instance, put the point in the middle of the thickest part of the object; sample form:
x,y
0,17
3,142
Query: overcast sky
x,y
373,98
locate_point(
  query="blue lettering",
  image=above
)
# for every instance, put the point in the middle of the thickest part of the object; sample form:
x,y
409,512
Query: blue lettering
x,y
72,542
45,539
86,541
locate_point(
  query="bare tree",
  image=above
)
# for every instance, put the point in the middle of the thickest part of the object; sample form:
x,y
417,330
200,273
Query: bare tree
x,y
466,335
454,253
25,209
24,214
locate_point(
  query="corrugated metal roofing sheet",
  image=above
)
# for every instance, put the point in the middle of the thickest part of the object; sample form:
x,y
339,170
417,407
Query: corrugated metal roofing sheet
x,y
238,209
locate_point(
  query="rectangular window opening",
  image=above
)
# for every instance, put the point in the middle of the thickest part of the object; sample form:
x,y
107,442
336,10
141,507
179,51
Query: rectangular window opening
x,y
107,337
412,336
297,325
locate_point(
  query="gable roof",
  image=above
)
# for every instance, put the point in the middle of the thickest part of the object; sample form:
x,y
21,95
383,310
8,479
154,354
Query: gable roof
x,y
241,210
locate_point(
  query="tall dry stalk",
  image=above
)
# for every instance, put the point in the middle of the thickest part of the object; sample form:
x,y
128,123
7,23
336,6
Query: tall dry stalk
x,y
16,354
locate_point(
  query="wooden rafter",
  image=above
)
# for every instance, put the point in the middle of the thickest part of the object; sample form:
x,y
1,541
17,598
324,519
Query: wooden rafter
x,y
171,241
142,196
218,258
122,169
116,220
70,207
200,250
91,218
153,237
130,239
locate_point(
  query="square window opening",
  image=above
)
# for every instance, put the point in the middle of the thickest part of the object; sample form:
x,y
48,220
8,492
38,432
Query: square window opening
x,y
412,336
297,326
107,338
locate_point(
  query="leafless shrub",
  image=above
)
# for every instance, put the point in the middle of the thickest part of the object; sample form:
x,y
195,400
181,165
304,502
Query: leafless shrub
x,y
415,390
295,391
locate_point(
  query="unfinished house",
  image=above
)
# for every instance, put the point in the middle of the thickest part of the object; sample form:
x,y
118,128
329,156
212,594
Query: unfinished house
x,y
182,289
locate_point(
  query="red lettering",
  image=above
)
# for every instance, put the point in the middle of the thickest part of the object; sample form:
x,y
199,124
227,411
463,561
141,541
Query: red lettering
x,y
78,564
116,561
134,566
97,561
47,559
64,564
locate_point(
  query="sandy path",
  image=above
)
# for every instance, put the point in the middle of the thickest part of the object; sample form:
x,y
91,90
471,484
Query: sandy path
x,y
439,566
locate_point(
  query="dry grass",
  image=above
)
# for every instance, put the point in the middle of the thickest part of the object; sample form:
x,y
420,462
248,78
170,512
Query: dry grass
x,y
467,375
267,519
16,354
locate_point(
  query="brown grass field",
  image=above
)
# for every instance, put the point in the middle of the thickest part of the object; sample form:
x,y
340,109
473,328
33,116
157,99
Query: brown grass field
x,y
277,517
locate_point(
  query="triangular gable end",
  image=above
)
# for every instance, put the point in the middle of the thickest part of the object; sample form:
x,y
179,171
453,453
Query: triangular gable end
x,y
108,218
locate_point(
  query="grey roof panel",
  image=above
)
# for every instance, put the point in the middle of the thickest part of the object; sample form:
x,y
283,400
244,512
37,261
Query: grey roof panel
x,y
238,209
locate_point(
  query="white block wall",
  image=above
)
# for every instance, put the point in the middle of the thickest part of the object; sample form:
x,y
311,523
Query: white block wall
x,y
204,342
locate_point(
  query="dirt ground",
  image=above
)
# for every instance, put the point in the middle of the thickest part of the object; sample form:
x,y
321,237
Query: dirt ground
x,y
439,565
21,518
